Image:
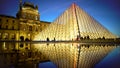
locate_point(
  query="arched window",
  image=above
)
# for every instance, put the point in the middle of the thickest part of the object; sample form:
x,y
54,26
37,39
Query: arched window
x,y
6,36
27,39
21,45
13,36
21,38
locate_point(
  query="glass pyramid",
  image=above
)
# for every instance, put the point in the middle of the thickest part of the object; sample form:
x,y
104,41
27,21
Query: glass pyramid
x,y
74,23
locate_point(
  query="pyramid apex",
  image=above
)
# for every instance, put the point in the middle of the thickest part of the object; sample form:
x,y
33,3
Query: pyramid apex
x,y
73,5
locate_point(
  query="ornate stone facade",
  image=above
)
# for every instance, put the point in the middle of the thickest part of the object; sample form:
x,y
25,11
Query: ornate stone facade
x,y
23,27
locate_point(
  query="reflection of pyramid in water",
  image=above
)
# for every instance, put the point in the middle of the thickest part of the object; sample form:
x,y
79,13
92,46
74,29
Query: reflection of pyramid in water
x,y
74,22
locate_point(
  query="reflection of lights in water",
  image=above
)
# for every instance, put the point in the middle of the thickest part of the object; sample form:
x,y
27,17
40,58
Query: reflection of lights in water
x,y
60,53
4,46
68,52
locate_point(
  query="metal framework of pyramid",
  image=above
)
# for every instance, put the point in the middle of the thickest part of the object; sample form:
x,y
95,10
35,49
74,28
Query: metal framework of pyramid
x,y
73,23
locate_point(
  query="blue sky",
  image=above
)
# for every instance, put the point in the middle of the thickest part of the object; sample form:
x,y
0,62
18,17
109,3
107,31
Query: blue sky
x,y
107,12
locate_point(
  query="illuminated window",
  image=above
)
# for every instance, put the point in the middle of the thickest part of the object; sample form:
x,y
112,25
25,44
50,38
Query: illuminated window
x,y
13,36
28,34
36,18
6,36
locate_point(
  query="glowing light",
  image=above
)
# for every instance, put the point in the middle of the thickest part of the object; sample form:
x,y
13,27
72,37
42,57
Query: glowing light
x,y
4,46
65,27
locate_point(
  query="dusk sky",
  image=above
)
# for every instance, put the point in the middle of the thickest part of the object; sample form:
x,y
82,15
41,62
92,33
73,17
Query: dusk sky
x,y
107,12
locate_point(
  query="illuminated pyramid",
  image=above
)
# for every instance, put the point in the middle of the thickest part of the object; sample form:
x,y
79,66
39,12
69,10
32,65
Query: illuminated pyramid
x,y
74,23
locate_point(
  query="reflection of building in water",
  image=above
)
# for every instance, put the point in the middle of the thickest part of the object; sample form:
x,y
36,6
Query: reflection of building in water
x,y
73,24
73,55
